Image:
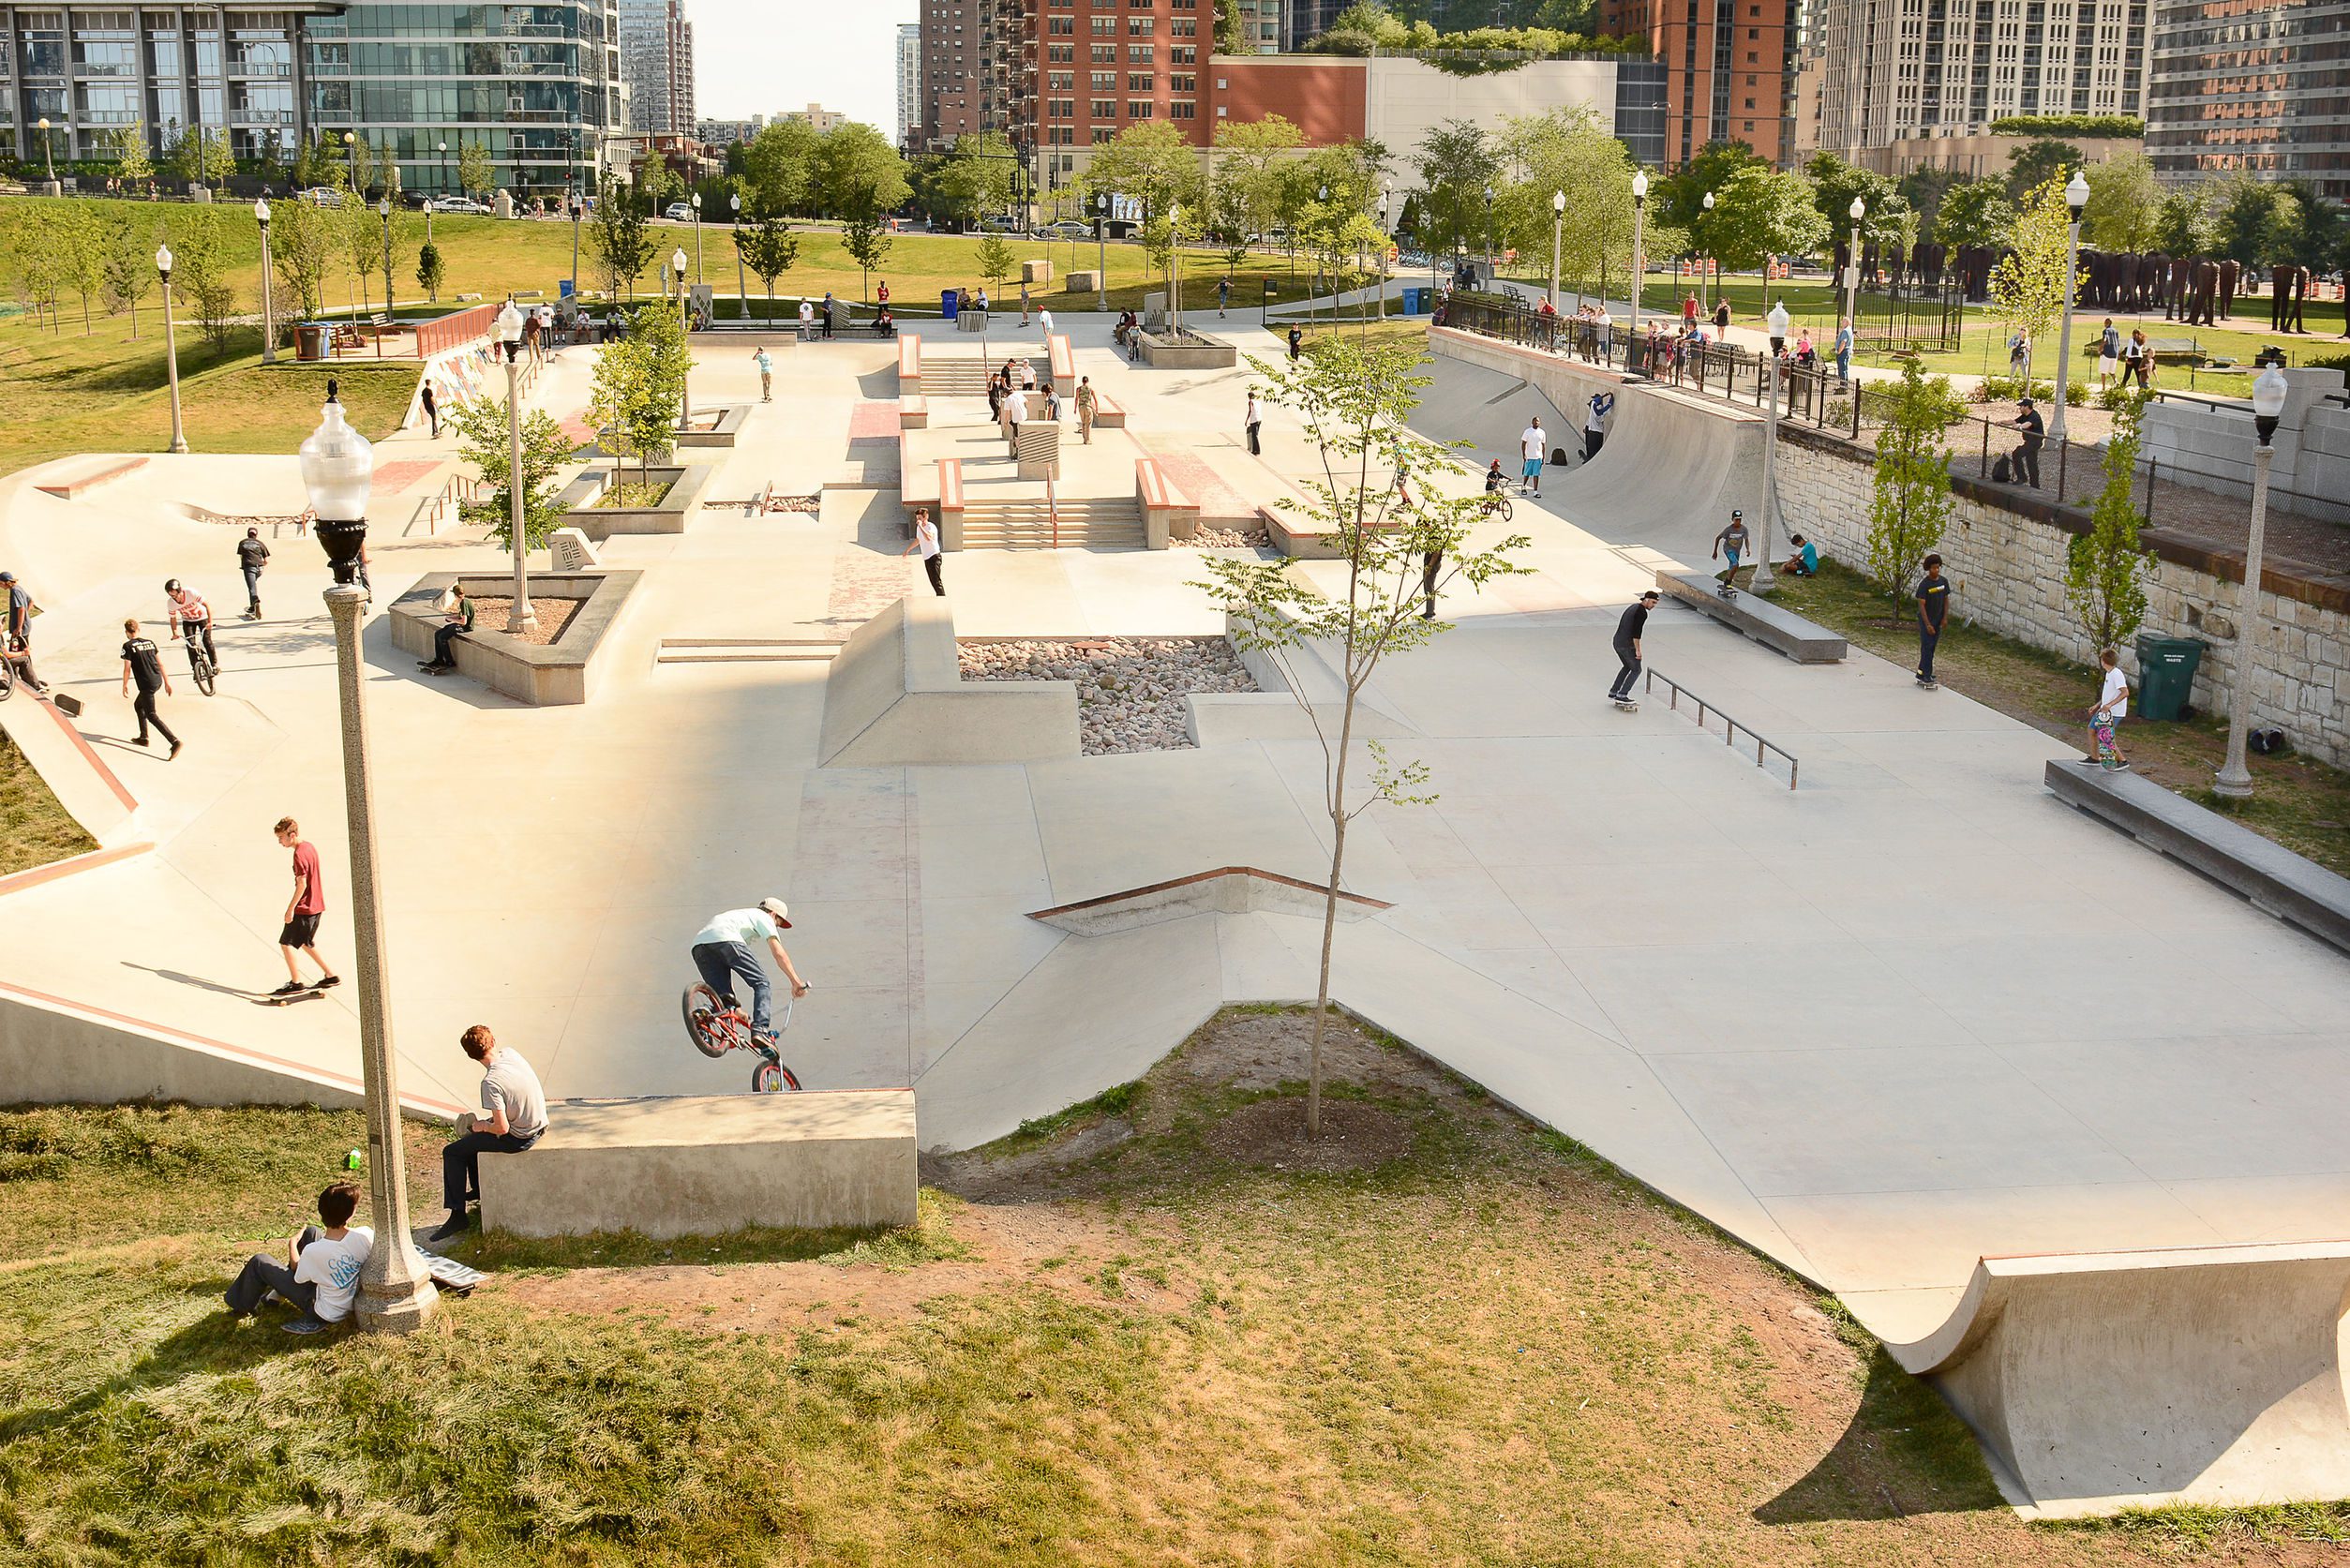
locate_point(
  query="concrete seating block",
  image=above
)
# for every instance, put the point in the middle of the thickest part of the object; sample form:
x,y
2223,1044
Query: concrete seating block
x,y
1081,283
2270,876
572,550
913,412
1780,630
1036,270
1108,411
695,1165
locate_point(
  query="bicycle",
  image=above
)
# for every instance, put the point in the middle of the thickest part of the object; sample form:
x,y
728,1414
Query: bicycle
x,y
717,1027
201,669
1497,504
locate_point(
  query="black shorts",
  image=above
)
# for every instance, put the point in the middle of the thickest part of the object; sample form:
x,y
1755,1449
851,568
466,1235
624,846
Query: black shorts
x,y
300,931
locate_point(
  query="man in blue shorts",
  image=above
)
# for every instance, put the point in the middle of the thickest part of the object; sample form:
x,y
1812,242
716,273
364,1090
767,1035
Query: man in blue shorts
x,y
1532,445
1732,542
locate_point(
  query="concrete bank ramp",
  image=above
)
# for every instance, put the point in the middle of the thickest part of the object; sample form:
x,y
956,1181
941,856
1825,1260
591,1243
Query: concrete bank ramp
x,y
2104,1381
1488,409
895,694
1673,466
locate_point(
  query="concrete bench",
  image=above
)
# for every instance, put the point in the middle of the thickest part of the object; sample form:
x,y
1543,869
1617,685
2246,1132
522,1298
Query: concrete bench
x,y
1779,629
82,484
2268,876
913,412
698,1165
1108,412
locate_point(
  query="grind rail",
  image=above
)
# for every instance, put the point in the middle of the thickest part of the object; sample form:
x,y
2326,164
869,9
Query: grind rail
x,y
1732,726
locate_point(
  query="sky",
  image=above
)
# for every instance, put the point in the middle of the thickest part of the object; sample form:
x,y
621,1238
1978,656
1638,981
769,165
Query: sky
x,y
764,56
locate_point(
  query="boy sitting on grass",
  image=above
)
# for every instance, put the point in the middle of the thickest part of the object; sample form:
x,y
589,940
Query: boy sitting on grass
x,y
320,1273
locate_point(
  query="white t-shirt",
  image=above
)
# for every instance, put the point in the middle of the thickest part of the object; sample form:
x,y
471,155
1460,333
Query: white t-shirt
x,y
1530,442
807,311
1045,318
926,537
1016,406
749,927
333,1267
2116,692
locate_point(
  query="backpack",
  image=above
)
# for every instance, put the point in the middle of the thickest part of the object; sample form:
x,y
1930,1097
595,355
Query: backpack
x,y
2002,469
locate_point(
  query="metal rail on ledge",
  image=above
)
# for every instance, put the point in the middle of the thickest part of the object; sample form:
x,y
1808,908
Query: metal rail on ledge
x,y
1732,726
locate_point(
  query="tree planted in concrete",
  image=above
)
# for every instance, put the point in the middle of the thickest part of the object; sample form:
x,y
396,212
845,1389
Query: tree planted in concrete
x,y
485,441
1377,505
2104,569
1910,502
639,390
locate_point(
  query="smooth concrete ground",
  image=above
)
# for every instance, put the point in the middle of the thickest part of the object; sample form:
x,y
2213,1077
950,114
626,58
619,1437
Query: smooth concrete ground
x,y
1912,1013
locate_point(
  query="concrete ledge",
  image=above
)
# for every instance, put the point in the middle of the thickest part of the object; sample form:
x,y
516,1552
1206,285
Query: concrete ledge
x,y
687,486
895,694
1782,631
1283,531
2198,1375
913,412
1062,360
565,671
720,431
2268,876
909,365
706,1164
1108,412
1167,511
1227,890
80,484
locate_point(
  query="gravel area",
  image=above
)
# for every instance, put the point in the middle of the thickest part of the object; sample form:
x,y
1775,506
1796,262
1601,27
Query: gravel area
x,y
489,615
1129,689
1224,539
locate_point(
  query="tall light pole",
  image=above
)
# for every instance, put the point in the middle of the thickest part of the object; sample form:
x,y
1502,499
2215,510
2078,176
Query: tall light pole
x,y
1852,273
1387,199
685,394
742,288
1558,222
171,347
1639,262
1705,254
269,317
396,1288
1174,270
1489,228
383,209
521,618
2076,198
578,209
1101,250
2235,779
697,201
442,148
1322,198
49,157
1760,582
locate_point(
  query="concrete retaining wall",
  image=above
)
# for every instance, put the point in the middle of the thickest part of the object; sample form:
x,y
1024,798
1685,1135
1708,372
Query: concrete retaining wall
x,y
895,694
2009,571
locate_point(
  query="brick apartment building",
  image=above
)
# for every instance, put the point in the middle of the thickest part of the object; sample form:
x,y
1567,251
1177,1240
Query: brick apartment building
x,y
1727,70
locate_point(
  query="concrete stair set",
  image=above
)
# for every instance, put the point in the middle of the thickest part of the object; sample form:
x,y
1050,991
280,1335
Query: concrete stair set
x,y
961,377
1026,523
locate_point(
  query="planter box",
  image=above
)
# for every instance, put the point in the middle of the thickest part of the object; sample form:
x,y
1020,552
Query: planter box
x,y
564,671
1187,354
719,431
686,487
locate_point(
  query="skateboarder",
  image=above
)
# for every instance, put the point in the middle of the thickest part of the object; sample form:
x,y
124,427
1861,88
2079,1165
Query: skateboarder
x,y
767,373
2113,706
302,913
1629,629
1932,604
1732,541
251,556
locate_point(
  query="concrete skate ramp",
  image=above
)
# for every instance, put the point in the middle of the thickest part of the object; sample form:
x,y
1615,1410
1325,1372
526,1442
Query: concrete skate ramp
x,y
1488,408
894,694
1673,468
2102,1381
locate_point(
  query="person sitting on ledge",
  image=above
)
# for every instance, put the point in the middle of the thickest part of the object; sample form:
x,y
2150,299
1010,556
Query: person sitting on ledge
x,y
517,1119
320,1273
884,324
457,620
1805,562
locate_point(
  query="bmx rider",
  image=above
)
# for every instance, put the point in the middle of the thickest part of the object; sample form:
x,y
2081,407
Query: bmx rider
x,y
726,947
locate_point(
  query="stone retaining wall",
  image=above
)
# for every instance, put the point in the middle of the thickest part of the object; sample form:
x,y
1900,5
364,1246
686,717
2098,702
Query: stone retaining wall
x,y
2008,565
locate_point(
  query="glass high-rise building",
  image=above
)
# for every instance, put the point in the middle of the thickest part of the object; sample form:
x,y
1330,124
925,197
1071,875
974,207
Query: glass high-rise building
x,y
537,86
2254,88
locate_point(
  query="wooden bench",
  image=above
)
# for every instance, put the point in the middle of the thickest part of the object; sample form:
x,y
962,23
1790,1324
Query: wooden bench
x,y
913,412
703,1165
80,484
1782,631
2269,877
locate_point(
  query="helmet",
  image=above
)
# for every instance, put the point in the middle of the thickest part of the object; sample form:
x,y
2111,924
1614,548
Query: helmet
x,y
780,910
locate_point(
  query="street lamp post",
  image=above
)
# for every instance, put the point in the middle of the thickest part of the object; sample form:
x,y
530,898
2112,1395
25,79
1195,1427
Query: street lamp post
x,y
269,318
697,200
171,346
2235,779
521,619
1174,270
742,287
1852,272
1639,262
1488,227
1322,198
49,157
685,326
1705,254
384,209
1101,250
1387,199
396,1288
578,208
1760,582
1558,222
2076,198
442,149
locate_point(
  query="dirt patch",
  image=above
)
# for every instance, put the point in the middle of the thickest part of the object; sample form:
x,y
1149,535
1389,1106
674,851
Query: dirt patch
x,y
1272,1133
553,615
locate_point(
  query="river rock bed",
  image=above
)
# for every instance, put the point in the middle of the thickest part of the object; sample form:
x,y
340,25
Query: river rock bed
x,y
1129,689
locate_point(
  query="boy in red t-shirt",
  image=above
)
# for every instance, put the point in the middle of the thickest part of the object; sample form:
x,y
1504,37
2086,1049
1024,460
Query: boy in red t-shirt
x,y
302,912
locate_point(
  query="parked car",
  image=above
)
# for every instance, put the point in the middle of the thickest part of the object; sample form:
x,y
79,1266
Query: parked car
x,y
679,212
461,205
1066,229
322,196
997,226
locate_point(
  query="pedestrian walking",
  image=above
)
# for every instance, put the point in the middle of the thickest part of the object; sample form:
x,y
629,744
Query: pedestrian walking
x,y
1024,302
767,373
926,541
1088,402
1251,420
251,556
143,663
1733,541
1630,628
432,410
1595,414
2019,355
2108,354
1721,321
1532,445
1223,294
2141,357
303,911
18,637
1843,349
2113,706
1296,341
1933,605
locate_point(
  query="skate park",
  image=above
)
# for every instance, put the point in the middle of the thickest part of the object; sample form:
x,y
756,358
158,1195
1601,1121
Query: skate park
x,y
1868,1026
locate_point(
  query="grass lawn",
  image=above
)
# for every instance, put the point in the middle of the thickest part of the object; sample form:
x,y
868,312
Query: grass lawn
x,y
2301,804
1155,1330
105,391
34,828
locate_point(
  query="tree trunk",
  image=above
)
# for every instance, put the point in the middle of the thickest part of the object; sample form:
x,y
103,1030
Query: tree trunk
x,y
1329,924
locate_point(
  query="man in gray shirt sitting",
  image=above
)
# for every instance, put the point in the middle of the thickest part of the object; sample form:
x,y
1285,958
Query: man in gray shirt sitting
x,y
517,1119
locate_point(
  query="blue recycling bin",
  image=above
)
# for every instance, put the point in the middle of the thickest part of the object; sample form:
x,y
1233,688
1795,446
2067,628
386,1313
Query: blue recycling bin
x,y
946,304
1414,301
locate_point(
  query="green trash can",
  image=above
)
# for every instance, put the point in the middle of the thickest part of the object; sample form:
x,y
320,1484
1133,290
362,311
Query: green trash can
x,y
2166,675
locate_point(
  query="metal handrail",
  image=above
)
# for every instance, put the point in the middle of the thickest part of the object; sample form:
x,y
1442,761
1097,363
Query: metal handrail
x,y
1730,725
1053,511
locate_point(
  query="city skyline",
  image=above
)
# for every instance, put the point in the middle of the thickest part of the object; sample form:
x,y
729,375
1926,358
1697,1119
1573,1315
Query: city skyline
x,y
844,57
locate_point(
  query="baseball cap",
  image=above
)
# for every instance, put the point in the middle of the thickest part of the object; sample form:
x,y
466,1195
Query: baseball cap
x,y
779,909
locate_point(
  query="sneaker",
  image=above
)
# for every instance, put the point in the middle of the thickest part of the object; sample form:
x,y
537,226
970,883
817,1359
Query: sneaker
x,y
456,1225
2121,765
175,753
327,983
137,740
291,988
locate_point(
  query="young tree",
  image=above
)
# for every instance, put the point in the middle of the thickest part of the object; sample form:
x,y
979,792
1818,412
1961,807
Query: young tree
x,y
82,267
128,267
200,274
1762,213
358,167
769,248
476,174
620,239
867,240
657,184
1231,29
362,245
216,161
1974,212
485,441
2105,570
976,177
309,166
1909,504
2031,283
302,245
1355,399
638,391
2124,202
995,260
132,164
1247,162
430,272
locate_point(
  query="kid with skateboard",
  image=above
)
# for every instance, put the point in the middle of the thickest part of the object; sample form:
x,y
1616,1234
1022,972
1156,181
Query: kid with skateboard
x,y
1629,628
303,911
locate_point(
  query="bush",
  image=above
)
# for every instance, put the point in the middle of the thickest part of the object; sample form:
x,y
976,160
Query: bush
x,y
2008,388
2096,127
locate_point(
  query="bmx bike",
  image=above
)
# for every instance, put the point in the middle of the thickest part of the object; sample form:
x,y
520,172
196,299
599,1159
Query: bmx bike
x,y
1496,504
717,1027
201,669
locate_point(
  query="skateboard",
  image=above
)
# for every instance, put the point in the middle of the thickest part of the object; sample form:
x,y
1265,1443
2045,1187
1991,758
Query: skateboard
x,y
1625,705
1925,685
272,999
434,670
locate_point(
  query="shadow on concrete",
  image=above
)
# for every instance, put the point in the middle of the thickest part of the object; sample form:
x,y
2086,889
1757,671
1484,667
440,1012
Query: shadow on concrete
x,y
260,998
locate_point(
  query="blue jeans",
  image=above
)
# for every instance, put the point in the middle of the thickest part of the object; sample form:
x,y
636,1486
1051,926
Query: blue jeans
x,y
720,962
264,1273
